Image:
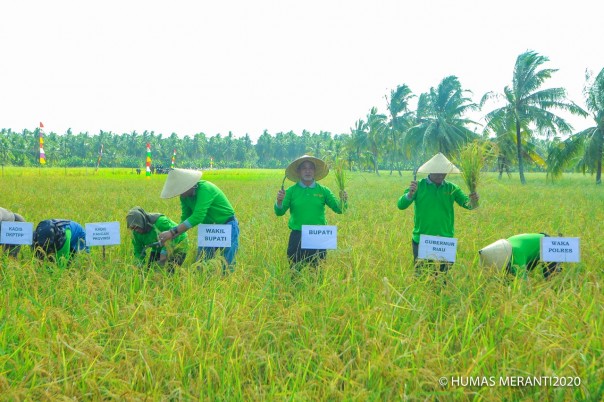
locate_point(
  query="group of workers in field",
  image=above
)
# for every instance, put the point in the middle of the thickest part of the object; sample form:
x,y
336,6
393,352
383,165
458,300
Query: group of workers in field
x,y
202,202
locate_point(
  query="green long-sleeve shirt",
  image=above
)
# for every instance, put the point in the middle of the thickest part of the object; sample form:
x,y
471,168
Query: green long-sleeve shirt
x,y
178,245
209,205
526,249
307,205
434,213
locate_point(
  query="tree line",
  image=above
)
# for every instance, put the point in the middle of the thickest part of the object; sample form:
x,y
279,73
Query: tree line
x,y
522,129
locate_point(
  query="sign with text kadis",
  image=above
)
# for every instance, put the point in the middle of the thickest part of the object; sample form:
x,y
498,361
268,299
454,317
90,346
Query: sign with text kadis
x,y
560,249
437,248
16,232
103,234
214,236
318,237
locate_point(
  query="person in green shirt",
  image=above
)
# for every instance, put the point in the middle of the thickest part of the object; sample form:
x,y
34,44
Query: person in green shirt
x,y
58,240
518,254
434,198
9,216
146,228
306,202
201,202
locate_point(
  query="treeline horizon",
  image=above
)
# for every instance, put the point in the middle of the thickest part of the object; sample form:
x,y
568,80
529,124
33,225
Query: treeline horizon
x,y
522,131
128,150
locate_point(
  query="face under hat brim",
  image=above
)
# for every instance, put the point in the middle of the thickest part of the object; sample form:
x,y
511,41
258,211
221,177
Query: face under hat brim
x,y
321,168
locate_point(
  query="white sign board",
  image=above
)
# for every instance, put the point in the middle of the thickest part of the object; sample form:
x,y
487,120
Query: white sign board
x,y
214,236
103,234
318,237
16,233
437,248
560,249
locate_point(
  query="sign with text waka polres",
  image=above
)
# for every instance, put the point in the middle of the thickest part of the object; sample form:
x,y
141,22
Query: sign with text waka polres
x,y
560,249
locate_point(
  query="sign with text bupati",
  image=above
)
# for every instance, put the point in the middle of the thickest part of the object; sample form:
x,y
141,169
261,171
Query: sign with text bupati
x,y
319,237
437,248
214,236
560,249
103,234
16,233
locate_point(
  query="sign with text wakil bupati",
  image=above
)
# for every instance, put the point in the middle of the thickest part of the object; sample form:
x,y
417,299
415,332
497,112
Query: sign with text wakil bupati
x,y
16,232
214,236
560,249
319,237
437,248
103,234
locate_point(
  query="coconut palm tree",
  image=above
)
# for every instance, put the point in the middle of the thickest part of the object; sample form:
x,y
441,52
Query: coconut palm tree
x,y
376,135
528,105
585,148
356,143
505,145
401,119
441,125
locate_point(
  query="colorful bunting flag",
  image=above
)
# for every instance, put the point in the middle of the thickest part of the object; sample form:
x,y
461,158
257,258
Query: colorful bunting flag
x,y
173,159
148,159
42,154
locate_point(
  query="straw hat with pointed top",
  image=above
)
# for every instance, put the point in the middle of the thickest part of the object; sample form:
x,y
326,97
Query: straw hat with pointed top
x,y
496,254
438,164
179,181
321,168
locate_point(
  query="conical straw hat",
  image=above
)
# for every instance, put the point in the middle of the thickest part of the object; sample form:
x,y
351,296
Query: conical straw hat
x,y
179,181
496,254
321,168
438,164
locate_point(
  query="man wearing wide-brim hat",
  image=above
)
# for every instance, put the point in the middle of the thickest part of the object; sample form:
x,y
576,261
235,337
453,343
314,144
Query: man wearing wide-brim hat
x,y
518,255
434,198
306,202
201,202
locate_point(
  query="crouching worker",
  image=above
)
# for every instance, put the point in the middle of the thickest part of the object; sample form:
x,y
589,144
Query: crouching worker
x,y
9,216
201,202
58,240
146,228
518,254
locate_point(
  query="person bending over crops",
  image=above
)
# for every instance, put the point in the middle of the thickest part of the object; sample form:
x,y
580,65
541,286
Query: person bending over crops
x,y
9,216
201,202
57,240
306,202
434,198
146,228
518,254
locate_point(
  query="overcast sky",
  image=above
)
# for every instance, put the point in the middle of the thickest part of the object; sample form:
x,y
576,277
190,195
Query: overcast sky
x,y
245,66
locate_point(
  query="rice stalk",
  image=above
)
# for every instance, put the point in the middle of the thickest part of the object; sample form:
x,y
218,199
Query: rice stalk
x,y
471,161
340,173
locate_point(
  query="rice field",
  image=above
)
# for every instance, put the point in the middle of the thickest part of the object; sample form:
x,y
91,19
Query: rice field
x,y
362,327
